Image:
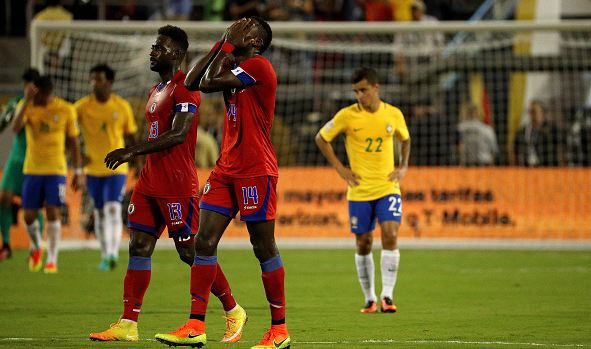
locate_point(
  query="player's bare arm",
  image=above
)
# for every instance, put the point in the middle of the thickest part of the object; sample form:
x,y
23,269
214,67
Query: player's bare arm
x,y
19,118
328,151
196,73
79,180
399,173
181,124
219,76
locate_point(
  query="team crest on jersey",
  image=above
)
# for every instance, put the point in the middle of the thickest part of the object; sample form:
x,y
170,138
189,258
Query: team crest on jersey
x,y
115,115
130,208
206,188
56,118
389,129
153,107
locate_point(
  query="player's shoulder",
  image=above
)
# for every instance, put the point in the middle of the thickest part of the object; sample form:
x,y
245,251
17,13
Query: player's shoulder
x,y
82,102
61,103
258,62
393,111
120,100
349,110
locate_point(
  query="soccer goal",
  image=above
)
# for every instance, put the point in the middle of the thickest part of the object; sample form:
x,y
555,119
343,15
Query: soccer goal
x,y
498,113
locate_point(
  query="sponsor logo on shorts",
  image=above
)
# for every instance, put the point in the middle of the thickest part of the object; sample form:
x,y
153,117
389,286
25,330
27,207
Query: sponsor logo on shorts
x,y
206,188
131,208
153,107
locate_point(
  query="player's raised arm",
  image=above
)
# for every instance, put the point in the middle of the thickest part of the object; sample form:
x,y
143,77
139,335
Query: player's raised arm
x,y
198,70
239,41
19,118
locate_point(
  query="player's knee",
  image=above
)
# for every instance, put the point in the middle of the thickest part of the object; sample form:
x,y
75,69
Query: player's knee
x,y
206,246
138,248
186,254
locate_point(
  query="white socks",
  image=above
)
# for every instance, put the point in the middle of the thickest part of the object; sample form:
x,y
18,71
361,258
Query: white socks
x,y
113,227
54,229
99,231
365,273
389,266
34,234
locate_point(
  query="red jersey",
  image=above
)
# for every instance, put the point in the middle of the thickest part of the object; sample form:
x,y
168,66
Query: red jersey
x,y
171,172
247,150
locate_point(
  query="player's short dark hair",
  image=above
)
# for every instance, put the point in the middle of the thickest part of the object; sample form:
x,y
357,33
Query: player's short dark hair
x,y
176,34
53,2
266,32
44,83
365,73
104,68
30,75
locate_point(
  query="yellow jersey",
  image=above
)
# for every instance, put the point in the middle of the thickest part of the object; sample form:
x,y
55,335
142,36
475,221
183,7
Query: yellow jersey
x,y
103,126
46,128
369,141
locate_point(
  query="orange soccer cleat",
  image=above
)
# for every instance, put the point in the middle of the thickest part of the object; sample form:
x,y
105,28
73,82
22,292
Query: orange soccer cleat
x,y
276,337
388,306
370,307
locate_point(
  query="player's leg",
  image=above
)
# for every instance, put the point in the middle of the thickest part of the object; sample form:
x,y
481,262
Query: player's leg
x,y
5,222
55,194
32,202
362,223
11,184
203,274
217,209
389,212
258,203
145,226
235,315
113,196
94,186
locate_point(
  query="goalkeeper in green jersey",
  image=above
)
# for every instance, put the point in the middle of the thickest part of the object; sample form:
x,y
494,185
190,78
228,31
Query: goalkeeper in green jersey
x,y
12,173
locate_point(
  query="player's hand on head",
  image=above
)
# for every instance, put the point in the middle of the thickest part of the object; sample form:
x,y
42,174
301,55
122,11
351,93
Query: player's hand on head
x,y
117,157
30,91
236,33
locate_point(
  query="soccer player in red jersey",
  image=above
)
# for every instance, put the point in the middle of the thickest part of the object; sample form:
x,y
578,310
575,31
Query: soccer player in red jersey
x,y
166,194
244,178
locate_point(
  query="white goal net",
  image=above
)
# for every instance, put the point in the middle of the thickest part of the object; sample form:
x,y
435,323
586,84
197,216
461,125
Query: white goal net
x,y
514,97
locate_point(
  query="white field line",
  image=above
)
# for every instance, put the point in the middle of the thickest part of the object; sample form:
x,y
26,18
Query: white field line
x,y
367,341
349,243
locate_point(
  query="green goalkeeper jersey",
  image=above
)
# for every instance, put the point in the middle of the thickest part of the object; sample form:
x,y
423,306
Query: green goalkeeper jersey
x,y
19,144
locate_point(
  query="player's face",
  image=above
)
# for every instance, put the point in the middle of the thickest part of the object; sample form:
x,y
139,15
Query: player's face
x,y
366,93
162,54
99,83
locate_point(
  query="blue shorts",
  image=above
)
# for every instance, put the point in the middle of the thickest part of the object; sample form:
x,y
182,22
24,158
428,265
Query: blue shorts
x,y
363,214
39,190
106,189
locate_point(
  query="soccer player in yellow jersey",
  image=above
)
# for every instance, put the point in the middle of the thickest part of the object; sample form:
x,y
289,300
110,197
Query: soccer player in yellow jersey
x,y
106,121
369,127
49,123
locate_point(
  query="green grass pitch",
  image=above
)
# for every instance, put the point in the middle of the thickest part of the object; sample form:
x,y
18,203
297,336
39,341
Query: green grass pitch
x,y
446,299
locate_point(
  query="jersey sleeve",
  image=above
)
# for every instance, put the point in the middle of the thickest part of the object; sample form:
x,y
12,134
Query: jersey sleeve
x,y
185,100
337,125
71,122
252,71
130,125
401,129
